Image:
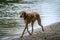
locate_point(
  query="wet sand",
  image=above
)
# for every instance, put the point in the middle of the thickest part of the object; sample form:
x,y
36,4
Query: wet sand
x,y
52,32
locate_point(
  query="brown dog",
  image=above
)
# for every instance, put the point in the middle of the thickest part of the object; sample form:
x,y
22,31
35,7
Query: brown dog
x,y
30,18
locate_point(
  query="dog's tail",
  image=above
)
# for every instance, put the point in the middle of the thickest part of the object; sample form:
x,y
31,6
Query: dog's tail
x,y
38,19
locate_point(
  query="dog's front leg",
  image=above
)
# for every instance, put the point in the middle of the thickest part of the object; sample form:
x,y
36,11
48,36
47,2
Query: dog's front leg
x,y
28,31
24,30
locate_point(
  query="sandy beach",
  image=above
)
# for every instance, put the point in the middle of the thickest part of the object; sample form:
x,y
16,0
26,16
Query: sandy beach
x,y
52,32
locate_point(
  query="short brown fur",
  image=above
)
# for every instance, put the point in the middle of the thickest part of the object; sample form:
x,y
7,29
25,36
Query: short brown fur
x,y
30,18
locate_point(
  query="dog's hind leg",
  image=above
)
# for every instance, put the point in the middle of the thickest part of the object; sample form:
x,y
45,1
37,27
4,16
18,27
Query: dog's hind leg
x,y
39,22
32,26
41,25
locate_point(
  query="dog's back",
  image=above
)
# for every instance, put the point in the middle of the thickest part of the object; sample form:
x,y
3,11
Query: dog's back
x,y
32,17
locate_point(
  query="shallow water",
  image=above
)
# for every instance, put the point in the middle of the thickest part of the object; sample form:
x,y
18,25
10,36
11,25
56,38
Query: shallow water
x,y
49,11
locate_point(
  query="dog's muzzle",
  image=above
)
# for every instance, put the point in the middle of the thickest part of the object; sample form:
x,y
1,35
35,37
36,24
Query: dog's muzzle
x,y
20,16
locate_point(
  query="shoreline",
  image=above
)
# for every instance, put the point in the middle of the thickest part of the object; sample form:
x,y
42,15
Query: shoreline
x,y
52,32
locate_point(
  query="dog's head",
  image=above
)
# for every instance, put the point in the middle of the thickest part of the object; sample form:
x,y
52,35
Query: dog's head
x,y
22,14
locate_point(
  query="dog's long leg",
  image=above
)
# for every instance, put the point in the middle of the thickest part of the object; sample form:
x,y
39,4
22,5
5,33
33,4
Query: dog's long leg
x,y
42,27
28,31
24,30
32,25
39,22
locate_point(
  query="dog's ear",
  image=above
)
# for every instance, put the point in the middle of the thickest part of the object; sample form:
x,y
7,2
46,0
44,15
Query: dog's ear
x,y
24,13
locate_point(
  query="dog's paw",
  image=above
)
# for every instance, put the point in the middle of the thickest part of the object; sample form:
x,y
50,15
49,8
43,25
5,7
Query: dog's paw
x,y
21,36
30,34
43,30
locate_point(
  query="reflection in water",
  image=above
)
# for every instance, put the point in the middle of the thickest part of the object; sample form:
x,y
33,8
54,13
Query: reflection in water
x,y
49,11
